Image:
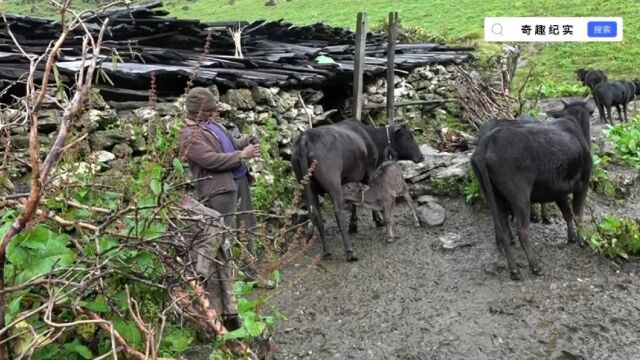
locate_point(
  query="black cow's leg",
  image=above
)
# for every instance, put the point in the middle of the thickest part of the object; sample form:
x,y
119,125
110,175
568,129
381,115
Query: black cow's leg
x,y
341,219
603,119
377,218
504,236
534,214
567,214
316,218
618,108
624,107
522,219
353,222
609,114
387,215
545,213
579,198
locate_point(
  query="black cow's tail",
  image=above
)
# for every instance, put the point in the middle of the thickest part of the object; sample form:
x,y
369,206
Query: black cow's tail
x,y
481,170
304,169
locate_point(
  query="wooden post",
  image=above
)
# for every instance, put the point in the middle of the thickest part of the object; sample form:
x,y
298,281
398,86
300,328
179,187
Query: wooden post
x,y
391,55
358,67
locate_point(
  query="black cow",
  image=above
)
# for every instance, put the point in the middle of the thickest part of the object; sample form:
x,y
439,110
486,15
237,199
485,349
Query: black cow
x,y
345,152
615,93
591,77
526,119
536,162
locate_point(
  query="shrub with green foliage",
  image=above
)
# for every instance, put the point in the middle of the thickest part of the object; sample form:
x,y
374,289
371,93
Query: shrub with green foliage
x,y
551,89
626,141
471,189
616,237
274,190
113,239
600,182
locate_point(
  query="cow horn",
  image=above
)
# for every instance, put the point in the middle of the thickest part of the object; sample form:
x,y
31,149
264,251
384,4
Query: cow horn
x,y
564,102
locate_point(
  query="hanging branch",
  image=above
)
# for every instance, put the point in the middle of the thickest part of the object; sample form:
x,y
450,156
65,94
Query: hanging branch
x,y
33,101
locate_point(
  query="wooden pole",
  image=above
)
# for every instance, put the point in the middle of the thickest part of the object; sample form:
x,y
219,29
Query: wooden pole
x,y
391,55
361,39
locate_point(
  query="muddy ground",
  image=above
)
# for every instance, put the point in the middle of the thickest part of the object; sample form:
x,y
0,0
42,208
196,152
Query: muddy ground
x,y
414,300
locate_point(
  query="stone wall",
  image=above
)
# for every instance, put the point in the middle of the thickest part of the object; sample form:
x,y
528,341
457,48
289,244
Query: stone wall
x,y
118,131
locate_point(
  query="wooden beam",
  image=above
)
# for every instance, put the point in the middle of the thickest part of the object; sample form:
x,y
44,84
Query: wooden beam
x,y
391,54
411,103
361,39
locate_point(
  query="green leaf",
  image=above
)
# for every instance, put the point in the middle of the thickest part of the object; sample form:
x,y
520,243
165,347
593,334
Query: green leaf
x,y
254,326
154,230
177,165
107,244
246,305
121,300
98,305
14,309
44,257
156,186
236,334
145,261
176,341
77,348
54,204
129,331
47,353
151,201
277,276
17,255
241,288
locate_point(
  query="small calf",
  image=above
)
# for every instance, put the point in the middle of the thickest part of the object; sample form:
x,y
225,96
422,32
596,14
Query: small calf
x,y
385,185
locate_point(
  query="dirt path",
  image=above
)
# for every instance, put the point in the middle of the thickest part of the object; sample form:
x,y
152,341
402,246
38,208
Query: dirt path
x,y
414,300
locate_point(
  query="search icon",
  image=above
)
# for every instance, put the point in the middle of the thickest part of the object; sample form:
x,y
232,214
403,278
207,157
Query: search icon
x,y
496,29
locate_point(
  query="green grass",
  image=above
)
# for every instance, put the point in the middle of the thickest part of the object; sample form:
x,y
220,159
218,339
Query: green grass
x,y
462,19
458,19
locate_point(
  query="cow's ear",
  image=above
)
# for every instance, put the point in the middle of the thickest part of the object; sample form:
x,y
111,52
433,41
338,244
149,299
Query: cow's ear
x,y
555,113
400,127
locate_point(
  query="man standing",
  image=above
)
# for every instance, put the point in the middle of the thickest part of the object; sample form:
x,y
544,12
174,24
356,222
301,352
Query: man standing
x,y
210,249
216,164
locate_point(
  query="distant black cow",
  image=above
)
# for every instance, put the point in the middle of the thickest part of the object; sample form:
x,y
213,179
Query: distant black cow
x,y
346,152
615,93
543,162
591,77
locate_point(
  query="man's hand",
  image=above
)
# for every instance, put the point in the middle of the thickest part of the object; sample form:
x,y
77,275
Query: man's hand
x,y
250,152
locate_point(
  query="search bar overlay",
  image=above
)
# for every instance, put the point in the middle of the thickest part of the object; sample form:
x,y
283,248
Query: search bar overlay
x,y
553,29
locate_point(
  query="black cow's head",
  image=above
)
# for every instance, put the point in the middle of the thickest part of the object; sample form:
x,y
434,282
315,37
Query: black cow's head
x,y
636,82
404,145
581,75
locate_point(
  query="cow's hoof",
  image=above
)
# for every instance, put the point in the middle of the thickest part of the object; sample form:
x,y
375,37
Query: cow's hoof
x,y
351,257
353,228
417,224
534,219
581,242
536,270
546,220
379,224
390,240
516,275
326,255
